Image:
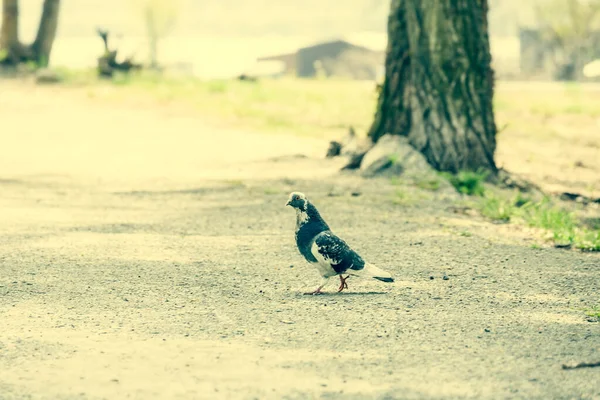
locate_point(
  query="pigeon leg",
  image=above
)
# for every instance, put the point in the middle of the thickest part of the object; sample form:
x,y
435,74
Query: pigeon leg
x,y
318,290
343,284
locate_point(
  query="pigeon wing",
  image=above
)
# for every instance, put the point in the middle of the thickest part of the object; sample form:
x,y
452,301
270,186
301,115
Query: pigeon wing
x,y
335,251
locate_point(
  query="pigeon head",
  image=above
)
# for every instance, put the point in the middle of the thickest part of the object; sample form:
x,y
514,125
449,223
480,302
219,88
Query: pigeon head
x,y
297,200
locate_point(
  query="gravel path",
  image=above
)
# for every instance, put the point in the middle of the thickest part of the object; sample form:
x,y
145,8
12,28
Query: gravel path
x,y
145,280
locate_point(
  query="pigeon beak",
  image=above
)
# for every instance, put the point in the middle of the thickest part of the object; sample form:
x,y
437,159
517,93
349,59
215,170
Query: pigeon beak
x,y
288,203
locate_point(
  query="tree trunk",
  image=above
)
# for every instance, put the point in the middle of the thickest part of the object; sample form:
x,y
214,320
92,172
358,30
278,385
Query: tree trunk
x,y
9,34
438,87
46,32
152,36
39,51
10,23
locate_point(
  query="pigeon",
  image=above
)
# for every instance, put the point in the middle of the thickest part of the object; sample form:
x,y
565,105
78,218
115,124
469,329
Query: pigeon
x,y
322,248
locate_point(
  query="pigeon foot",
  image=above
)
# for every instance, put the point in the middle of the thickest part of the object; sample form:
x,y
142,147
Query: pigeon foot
x,y
343,284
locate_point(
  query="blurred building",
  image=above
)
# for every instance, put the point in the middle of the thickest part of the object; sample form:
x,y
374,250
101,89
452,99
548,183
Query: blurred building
x,y
339,57
543,55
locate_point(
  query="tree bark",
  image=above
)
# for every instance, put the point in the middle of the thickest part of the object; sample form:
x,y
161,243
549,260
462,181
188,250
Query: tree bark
x,y
438,88
46,32
39,51
9,34
10,23
152,36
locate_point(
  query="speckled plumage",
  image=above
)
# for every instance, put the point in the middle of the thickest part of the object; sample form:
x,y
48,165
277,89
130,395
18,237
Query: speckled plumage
x,y
322,248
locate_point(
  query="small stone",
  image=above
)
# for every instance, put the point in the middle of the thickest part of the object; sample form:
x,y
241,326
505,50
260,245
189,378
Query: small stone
x,y
445,277
431,277
487,330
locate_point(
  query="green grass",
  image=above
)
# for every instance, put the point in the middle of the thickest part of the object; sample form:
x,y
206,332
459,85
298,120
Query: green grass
x,y
271,191
566,229
429,184
497,208
409,197
588,240
320,108
560,222
593,312
570,99
468,182
234,183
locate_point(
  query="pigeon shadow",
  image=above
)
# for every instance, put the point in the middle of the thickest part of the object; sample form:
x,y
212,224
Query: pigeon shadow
x,y
345,294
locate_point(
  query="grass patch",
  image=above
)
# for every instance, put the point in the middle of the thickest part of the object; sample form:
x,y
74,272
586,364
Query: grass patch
x,y
271,191
544,215
234,183
408,197
468,182
546,100
319,107
593,312
587,240
309,107
497,208
429,184
563,225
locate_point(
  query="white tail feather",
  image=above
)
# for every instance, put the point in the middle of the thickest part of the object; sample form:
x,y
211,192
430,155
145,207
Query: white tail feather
x,y
371,271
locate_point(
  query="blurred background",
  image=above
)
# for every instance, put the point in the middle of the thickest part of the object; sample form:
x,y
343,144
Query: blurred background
x,y
224,38
253,68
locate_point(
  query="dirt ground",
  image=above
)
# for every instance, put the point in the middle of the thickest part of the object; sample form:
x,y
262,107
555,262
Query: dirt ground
x,y
145,265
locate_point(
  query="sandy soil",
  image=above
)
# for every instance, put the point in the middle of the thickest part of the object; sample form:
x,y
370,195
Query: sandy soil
x,y
134,267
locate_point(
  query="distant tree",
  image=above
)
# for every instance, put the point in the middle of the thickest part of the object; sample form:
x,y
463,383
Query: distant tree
x,y
570,28
12,51
438,86
159,18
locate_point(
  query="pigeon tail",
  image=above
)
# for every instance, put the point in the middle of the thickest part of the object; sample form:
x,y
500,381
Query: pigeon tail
x,y
372,271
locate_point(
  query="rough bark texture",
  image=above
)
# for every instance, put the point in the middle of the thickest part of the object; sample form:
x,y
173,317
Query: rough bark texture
x,y
46,32
9,35
152,36
11,49
16,52
438,88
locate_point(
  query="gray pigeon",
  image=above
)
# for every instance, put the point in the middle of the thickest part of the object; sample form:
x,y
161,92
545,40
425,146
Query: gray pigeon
x,y
322,248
